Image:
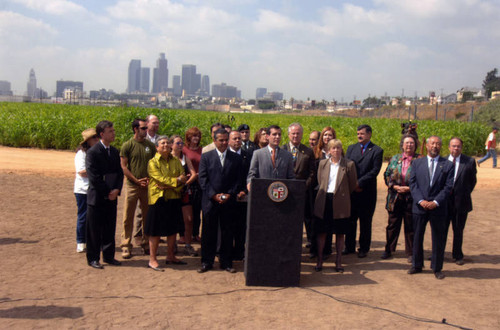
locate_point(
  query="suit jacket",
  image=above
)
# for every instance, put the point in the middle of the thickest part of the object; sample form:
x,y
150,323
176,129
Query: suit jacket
x,y
368,166
215,179
104,172
441,187
246,157
261,165
250,148
304,167
345,185
464,184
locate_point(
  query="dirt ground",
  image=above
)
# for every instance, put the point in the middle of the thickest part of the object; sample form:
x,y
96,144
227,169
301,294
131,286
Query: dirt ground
x,y
44,283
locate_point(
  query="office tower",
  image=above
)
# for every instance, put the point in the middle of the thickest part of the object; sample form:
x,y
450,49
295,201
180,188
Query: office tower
x,y
189,79
5,87
224,91
31,87
144,85
176,82
160,75
274,96
259,94
61,85
134,76
205,85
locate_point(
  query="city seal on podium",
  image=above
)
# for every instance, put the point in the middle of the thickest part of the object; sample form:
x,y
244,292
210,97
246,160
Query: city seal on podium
x,y
277,191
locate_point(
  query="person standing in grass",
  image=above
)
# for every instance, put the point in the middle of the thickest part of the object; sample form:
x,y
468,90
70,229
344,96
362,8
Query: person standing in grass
x,y
490,146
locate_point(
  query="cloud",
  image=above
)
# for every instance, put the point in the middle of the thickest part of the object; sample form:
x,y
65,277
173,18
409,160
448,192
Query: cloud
x,y
53,7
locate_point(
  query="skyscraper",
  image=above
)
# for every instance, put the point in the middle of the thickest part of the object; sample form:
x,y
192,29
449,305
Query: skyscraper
x,y
189,79
205,85
144,85
176,82
61,85
160,75
134,76
31,87
259,94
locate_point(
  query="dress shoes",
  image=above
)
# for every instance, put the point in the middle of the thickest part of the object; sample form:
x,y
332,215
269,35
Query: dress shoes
x,y
126,254
414,270
204,268
362,254
339,269
439,275
95,264
113,262
230,270
385,255
318,268
346,252
460,262
175,262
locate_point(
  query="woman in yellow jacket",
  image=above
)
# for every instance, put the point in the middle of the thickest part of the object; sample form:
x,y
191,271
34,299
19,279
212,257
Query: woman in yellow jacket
x,y
166,180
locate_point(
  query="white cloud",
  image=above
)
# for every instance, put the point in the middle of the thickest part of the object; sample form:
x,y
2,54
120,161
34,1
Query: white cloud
x,y
53,7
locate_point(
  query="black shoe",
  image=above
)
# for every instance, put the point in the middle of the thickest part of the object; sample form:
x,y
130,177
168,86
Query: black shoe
x,y
339,269
439,275
346,252
386,255
95,264
362,254
204,268
414,270
113,262
460,262
318,268
230,270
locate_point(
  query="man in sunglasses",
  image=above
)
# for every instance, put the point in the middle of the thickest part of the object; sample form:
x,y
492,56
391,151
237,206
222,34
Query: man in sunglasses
x,y
135,155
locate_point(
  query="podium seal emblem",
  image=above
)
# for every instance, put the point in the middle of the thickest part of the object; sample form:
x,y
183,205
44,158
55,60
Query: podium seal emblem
x,y
277,191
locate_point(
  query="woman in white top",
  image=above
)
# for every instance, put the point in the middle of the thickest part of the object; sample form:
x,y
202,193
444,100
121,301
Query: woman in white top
x,y
337,179
81,185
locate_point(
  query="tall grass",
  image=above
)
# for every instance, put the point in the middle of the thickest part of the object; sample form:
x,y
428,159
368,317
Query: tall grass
x,y
59,126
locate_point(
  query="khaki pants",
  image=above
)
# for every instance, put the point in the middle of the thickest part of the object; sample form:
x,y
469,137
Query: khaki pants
x,y
132,195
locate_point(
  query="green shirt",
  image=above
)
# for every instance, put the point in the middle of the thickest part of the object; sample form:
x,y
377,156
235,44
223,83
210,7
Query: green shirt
x,y
138,155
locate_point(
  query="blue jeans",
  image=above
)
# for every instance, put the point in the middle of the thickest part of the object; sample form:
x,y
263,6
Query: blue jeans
x,y
81,203
490,153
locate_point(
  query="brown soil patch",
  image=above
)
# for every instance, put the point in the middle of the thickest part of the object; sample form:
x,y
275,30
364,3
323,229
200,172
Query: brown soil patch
x,y
44,283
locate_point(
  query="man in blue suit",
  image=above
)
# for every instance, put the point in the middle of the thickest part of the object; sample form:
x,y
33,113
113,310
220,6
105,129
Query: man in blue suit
x,y
220,181
431,182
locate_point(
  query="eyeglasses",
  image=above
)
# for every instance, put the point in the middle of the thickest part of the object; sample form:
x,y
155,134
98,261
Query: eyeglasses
x,y
144,128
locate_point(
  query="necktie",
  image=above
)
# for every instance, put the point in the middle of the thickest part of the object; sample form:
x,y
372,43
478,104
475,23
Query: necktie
x,y
222,160
109,152
362,149
294,153
273,157
431,170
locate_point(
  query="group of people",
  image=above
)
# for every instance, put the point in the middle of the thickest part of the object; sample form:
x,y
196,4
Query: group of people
x,y
173,183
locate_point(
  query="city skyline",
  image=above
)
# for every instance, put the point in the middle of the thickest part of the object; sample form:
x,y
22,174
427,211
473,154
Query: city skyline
x,y
317,49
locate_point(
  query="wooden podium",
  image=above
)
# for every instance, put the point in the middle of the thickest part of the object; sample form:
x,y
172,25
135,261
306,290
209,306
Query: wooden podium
x,y
274,232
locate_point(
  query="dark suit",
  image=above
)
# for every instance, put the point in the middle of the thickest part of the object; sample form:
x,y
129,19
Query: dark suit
x,y
460,203
105,174
248,146
240,218
215,179
421,190
368,165
305,169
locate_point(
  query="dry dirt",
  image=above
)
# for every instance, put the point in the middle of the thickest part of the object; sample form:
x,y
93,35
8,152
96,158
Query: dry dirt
x,y
44,283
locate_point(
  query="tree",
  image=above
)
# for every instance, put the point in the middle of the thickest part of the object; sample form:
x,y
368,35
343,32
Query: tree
x,y
491,83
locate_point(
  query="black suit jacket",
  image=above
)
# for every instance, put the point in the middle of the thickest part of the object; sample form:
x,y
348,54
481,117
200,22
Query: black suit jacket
x,y
441,187
104,172
368,166
464,184
304,167
215,179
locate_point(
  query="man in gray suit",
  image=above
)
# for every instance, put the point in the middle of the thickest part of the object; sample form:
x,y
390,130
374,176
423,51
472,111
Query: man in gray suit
x,y
271,162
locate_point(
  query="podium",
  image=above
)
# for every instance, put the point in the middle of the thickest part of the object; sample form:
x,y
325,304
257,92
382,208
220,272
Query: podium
x,y
274,232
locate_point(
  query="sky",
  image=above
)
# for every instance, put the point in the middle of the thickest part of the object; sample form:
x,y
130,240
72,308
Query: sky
x,y
305,49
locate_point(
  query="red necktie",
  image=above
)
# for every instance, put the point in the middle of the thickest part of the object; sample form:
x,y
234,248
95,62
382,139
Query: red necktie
x,y
273,157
